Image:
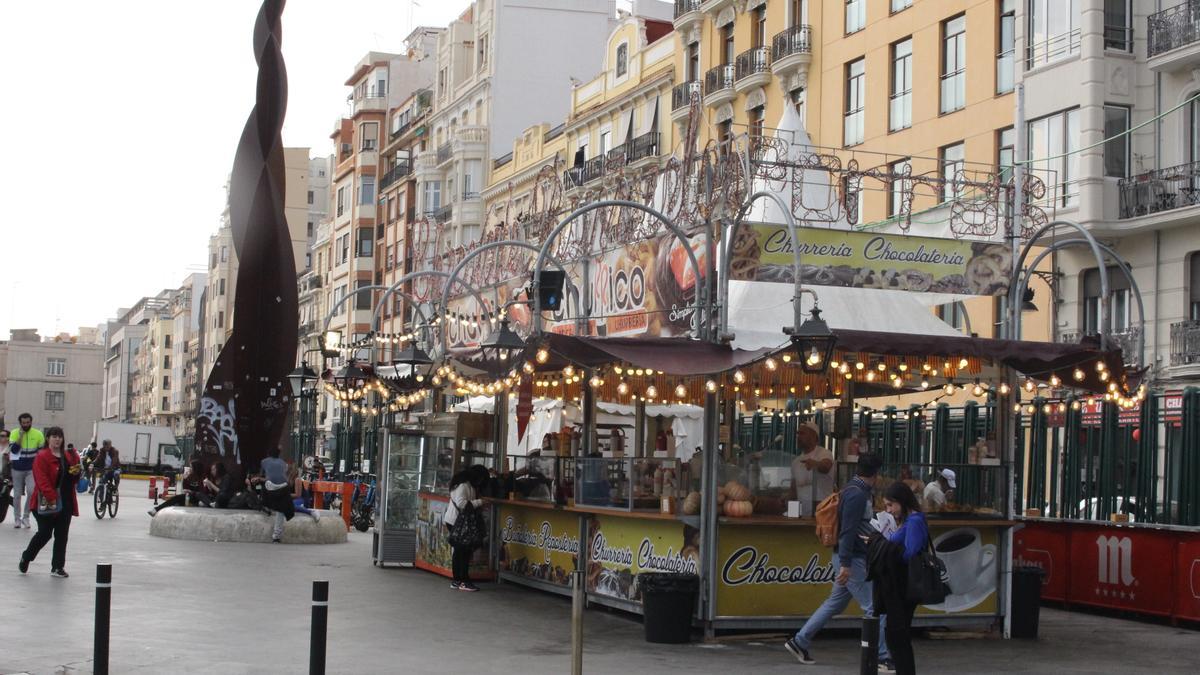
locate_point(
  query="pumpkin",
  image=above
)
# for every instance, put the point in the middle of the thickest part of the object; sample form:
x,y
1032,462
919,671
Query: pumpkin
x,y
720,497
736,491
738,508
691,503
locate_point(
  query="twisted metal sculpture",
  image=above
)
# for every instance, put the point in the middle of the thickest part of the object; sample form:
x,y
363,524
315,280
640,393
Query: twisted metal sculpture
x,y
244,410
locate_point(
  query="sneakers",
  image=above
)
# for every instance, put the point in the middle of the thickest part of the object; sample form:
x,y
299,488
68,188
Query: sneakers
x,y
887,666
152,512
16,525
23,565
468,586
60,573
25,523
455,585
799,652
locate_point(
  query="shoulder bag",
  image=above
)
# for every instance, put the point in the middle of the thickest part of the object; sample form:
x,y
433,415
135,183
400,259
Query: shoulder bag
x,y
927,578
467,529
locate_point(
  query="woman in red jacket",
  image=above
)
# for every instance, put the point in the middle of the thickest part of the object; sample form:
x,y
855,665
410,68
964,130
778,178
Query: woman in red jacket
x,y
55,472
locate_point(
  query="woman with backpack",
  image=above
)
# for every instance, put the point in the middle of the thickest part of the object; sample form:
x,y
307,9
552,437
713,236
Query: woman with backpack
x,y
888,562
465,487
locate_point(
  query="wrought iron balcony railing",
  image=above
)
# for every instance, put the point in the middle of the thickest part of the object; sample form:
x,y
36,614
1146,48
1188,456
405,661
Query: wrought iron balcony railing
x,y
1160,190
1126,340
443,153
1172,28
444,213
718,78
1185,343
752,61
684,6
681,94
395,173
643,146
794,40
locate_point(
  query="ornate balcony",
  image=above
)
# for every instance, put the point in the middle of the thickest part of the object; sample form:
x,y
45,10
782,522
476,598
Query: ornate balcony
x,y
752,69
791,54
688,15
444,152
578,176
645,146
1126,340
394,174
681,99
1173,38
1185,343
1160,190
718,85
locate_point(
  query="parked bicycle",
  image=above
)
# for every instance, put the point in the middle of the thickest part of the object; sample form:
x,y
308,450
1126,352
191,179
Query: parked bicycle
x,y
362,504
106,498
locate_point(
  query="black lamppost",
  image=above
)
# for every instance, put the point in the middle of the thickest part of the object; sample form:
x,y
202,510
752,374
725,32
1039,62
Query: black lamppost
x,y
501,344
814,343
303,382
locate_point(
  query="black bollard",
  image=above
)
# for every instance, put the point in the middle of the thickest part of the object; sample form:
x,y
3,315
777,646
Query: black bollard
x,y
103,610
320,625
869,661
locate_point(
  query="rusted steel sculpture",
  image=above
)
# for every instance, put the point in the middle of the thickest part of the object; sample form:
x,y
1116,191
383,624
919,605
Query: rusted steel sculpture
x,y
243,412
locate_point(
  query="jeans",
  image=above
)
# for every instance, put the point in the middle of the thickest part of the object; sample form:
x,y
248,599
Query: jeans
x,y
858,588
22,490
54,525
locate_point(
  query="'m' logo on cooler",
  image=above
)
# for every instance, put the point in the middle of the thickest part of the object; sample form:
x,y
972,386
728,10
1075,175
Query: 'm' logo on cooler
x,y
1115,560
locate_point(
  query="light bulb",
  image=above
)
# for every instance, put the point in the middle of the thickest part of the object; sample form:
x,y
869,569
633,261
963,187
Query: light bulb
x,y
1100,366
710,386
977,390
1104,376
881,366
962,363
859,365
787,358
569,371
870,376
596,382
924,384
1079,375
617,370
1004,389
949,388
1054,381
543,355
652,392
902,367
680,391
739,376
1030,386
622,388
770,363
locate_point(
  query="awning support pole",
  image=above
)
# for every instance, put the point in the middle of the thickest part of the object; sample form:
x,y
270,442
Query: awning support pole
x,y
709,513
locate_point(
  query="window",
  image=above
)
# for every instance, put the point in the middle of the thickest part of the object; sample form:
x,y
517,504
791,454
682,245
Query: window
x,y
951,158
953,314
622,59
1006,153
166,382
799,97
900,113
56,400
441,86
341,200
605,142
369,132
1116,151
759,25
220,319
343,248
167,361
1118,290
1194,286
366,190
755,120
1005,66
224,254
310,197
220,287
433,196
954,64
309,230
339,294
472,178
1054,136
900,5
725,136
1118,31
56,367
482,51
856,15
166,405
362,300
856,94
1053,31
727,53
900,185
366,243
693,62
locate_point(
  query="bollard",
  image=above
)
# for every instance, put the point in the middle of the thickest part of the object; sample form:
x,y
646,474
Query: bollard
x,y
320,625
577,601
869,661
103,611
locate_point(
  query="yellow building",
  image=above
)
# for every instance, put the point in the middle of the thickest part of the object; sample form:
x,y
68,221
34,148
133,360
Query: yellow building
x,y
882,83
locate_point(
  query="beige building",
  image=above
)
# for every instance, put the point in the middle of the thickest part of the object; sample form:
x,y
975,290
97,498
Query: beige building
x,y
182,359
59,382
122,345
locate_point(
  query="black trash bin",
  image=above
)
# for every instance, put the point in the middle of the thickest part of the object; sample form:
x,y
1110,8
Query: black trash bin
x,y
1026,601
667,604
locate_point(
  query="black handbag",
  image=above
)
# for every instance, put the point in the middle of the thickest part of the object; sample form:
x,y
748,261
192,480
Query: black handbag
x,y
927,578
467,530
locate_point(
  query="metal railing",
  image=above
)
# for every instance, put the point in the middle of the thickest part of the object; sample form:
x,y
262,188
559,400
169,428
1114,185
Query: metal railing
x,y
1126,340
1051,49
443,153
1118,38
395,173
718,78
1185,343
1160,190
684,6
443,213
1172,28
752,61
681,94
643,146
585,173
794,40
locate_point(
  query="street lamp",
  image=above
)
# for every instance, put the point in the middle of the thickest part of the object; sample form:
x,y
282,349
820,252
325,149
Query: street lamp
x,y
302,380
502,343
813,342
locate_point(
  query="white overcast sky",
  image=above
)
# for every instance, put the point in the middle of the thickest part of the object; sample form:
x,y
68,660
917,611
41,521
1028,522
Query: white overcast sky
x,y
122,117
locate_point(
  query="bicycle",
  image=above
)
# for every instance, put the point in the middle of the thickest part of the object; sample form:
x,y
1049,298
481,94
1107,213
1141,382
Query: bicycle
x,y
362,508
106,497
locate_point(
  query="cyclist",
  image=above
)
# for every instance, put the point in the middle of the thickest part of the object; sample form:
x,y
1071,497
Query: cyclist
x,y
88,459
109,461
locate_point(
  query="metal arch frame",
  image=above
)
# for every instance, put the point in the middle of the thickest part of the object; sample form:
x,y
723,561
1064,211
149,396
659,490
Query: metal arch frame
x,y
730,232
1017,280
395,288
338,305
453,278
1121,264
544,252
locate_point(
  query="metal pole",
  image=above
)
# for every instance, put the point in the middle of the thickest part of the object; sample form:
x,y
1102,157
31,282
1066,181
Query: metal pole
x,y
103,611
708,513
868,660
1012,331
320,626
577,599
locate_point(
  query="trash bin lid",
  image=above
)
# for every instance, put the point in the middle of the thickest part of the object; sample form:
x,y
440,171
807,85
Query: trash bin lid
x,y
668,582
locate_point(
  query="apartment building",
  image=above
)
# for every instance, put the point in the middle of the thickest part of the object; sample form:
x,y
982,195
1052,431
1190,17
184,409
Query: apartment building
x,y
57,381
317,198
151,381
123,340
1127,63
182,359
490,86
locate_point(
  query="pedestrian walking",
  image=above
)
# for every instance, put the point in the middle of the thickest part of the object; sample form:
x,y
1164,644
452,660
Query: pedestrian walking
x,y
465,487
277,496
889,557
24,444
55,473
855,512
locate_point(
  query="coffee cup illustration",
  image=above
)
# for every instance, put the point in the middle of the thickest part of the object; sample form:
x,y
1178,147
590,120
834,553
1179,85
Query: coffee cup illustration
x,y
970,564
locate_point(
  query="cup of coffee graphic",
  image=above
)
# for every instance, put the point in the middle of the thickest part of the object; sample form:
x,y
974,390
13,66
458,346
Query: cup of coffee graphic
x,y
968,561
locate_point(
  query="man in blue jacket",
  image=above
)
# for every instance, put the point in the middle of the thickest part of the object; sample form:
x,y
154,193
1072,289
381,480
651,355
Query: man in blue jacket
x,y
855,510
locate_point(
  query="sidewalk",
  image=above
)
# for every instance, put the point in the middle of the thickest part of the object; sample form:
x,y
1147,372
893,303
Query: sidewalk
x,y
199,607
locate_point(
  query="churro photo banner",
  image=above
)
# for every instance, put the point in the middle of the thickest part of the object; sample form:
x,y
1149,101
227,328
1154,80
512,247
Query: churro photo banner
x,y
871,260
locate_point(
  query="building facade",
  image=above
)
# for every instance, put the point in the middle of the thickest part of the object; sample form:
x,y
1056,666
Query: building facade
x,y
59,382
186,305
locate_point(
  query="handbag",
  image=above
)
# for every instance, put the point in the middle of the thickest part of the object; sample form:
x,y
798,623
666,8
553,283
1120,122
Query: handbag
x,y
82,485
47,507
927,578
467,530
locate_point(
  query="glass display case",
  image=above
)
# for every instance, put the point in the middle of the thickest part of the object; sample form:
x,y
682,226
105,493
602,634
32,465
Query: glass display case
x,y
537,478
454,441
629,483
399,480
967,491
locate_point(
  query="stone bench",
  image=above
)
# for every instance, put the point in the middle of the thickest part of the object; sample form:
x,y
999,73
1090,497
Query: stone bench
x,y
242,525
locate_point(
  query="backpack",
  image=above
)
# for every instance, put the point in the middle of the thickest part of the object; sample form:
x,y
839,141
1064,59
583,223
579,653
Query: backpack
x,y
827,519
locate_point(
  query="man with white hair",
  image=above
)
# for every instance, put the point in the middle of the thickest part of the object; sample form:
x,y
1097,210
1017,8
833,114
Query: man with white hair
x,y
812,469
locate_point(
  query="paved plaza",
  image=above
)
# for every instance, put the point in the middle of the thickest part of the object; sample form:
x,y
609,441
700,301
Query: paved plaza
x,y
202,607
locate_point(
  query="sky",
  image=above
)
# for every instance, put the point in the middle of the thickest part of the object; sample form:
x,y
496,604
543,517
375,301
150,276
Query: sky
x,y
123,117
